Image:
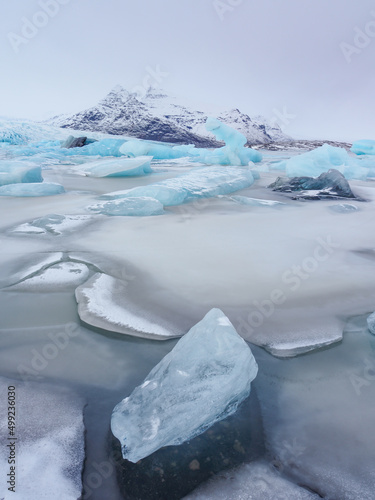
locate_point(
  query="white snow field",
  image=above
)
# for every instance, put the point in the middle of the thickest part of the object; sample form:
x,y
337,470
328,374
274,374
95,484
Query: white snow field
x,y
296,279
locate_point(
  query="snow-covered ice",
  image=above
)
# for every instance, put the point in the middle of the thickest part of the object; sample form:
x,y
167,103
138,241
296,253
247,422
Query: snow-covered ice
x,y
201,381
50,442
254,481
54,278
55,224
104,302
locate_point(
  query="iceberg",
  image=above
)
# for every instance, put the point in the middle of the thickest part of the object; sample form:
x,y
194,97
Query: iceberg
x,y
104,302
32,189
119,167
14,172
363,147
371,323
200,382
331,184
199,183
321,160
141,206
158,151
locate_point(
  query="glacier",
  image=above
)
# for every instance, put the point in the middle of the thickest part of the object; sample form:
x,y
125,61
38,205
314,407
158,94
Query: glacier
x,y
201,381
363,147
202,182
371,323
322,159
32,189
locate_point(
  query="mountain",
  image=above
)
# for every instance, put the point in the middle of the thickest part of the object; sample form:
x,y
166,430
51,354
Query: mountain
x,y
160,117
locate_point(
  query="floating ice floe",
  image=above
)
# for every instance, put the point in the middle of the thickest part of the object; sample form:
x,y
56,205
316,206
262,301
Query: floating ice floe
x,y
331,184
32,189
199,183
254,481
15,172
371,323
200,382
36,264
321,160
119,167
138,206
364,147
50,438
104,302
54,278
255,202
53,224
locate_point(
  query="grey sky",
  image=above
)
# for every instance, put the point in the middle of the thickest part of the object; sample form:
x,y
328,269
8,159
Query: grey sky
x,y
263,56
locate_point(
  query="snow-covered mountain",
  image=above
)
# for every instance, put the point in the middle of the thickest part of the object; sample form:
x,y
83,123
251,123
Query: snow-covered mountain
x,y
161,117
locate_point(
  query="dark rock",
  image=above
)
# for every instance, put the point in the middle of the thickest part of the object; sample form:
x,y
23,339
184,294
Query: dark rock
x,y
174,471
77,142
329,185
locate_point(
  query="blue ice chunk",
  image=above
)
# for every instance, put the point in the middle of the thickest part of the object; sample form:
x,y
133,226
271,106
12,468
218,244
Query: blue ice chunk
x,y
142,206
32,189
158,151
371,323
198,183
364,147
119,167
255,202
104,147
322,159
201,381
12,172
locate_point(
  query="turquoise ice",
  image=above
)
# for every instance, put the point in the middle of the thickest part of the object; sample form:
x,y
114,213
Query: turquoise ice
x,y
32,189
201,381
364,147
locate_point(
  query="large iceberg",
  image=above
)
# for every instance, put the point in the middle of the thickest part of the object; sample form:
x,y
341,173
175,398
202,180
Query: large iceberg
x,y
119,167
364,147
200,382
233,153
14,172
321,160
32,189
199,183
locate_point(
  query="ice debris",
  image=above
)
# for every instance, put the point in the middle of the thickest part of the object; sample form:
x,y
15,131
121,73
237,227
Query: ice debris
x,y
200,382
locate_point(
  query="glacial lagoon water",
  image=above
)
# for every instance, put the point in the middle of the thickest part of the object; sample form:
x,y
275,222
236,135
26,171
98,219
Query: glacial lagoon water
x,y
284,275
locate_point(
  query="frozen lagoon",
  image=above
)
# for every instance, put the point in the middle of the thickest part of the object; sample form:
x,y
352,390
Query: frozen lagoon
x,y
289,277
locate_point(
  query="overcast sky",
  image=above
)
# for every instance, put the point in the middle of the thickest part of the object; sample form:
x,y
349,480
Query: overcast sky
x,y
301,62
